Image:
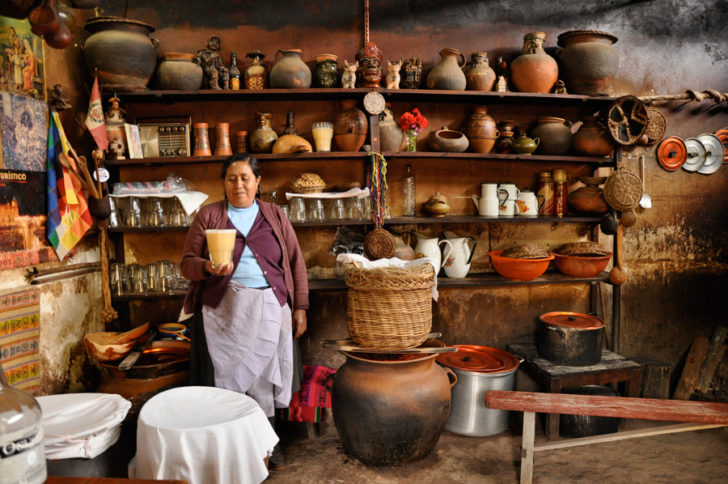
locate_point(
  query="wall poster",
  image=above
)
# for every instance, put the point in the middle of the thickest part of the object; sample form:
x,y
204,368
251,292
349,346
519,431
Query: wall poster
x,y
22,65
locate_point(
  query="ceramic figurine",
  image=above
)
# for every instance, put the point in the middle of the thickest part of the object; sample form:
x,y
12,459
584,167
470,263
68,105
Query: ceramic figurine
x,y
412,73
211,62
58,101
560,87
348,78
115,129
393,76
370,65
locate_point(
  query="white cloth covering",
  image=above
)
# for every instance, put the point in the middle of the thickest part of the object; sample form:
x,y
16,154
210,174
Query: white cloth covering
x,y
81,424
204,435
250,340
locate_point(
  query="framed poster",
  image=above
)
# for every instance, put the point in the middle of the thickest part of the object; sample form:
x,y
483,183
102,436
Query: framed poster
x,y
23,132
22,64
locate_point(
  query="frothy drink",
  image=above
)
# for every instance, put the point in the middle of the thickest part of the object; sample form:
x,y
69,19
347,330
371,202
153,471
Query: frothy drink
x,y
220,243
322,134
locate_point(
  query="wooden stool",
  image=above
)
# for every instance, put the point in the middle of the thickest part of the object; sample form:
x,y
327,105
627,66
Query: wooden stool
x,y
612,368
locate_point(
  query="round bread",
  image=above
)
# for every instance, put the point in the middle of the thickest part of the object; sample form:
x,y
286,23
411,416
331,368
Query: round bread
x,y
582,249
526,251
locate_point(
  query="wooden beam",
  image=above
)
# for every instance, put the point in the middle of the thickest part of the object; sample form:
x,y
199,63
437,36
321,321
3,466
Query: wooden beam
x,y
623,407
529,434
690,373
715,354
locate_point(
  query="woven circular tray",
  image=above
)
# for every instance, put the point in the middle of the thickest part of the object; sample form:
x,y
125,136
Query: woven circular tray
x,y
379,244
623,190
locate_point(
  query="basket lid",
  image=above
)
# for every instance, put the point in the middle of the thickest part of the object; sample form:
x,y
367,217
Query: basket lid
x,y
481,359
567,319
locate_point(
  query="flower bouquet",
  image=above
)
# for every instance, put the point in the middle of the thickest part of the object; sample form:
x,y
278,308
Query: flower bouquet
x,y
412,123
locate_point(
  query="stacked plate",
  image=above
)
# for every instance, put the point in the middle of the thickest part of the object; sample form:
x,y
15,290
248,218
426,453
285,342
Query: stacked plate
x,y
703,154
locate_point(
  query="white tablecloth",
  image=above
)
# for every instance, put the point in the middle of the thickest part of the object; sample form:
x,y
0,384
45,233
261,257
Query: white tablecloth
x,y
204,435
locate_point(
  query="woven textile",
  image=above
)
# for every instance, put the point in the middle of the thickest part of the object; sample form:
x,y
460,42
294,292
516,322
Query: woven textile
x,y
314,395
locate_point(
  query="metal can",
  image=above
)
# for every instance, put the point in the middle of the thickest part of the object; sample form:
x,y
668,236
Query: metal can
x,y
560,192
545,194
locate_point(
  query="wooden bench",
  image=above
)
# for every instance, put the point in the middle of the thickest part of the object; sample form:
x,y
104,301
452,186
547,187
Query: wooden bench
x,y
700,415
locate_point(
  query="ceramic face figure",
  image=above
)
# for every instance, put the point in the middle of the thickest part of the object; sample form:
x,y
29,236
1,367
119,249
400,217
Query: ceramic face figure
x,y
370,65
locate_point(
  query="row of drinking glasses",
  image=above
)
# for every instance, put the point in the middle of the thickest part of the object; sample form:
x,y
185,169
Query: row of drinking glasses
x,y
318,209
160,276
147,212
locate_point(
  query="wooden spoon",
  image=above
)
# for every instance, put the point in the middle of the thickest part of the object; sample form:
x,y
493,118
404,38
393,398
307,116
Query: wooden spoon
x,y
618,275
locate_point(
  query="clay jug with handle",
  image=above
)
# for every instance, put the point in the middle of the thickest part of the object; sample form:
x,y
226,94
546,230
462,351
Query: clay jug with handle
x,y
448,73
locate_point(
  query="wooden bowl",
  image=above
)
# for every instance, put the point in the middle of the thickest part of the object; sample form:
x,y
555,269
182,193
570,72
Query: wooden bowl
x,y
581,266
518,269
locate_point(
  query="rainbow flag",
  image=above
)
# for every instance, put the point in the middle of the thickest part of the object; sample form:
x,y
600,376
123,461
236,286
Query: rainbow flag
x,y
68,215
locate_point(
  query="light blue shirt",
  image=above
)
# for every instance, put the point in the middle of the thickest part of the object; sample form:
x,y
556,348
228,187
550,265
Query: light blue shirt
x,y
248,272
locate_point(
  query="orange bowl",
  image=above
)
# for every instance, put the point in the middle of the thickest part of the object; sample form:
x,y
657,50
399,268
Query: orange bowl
x,y
581,266
518,269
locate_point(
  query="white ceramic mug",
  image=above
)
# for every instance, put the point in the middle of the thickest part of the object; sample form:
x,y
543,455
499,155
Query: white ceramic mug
x,y
488,203
527,204
507,195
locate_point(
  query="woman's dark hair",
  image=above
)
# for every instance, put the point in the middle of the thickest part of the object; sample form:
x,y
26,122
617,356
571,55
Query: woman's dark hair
x,y
245,158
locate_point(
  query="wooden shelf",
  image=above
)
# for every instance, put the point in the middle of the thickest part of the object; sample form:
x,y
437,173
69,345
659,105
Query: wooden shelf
x,y
502,157
454,219
148,229
133,296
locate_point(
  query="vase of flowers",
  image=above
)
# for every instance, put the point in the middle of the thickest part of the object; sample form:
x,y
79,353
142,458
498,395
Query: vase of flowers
x,y
412,123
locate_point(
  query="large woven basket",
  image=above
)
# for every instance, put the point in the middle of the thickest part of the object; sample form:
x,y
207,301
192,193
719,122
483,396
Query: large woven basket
x,y
390,308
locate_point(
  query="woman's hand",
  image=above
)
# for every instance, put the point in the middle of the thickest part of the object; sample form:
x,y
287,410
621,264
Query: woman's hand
x,y
218,270
299,322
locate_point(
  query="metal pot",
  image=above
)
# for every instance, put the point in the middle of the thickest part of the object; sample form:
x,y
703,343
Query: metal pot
x,y
572,339
479,369
586,425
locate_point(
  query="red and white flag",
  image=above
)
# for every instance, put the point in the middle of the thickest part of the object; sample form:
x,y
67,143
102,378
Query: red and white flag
x,y
95,117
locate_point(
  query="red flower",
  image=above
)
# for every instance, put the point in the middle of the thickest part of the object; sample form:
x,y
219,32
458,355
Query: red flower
x,y
413,121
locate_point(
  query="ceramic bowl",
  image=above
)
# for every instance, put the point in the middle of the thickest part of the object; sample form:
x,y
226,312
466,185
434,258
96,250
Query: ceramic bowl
x,y
518,269
581,266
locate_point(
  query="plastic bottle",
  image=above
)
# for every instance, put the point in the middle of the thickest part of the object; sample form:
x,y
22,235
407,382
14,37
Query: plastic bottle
x,y
234,72
408,193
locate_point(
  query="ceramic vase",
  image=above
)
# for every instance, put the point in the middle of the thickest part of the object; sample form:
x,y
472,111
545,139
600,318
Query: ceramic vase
x,y
290,72
263,137
202,139
447,74
178,71
222,140
391,135
588,61
327,74
350,126
480,130
592,139
555,135
255,72
479,76
534,70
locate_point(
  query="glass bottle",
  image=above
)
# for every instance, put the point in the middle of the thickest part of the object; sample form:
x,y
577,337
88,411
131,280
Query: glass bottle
x,y
545,194
408,193
22,458
234,72
560,192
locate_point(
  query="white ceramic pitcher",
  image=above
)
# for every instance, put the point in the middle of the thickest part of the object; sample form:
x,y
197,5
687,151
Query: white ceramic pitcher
x,y
458,256
488,203
430,247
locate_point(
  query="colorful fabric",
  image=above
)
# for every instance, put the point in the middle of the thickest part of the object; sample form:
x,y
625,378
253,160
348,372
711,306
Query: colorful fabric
x,y
68,215
95,118
19,338
314,395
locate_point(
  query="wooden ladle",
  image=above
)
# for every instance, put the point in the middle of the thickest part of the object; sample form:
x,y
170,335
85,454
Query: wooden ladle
x,y
618,275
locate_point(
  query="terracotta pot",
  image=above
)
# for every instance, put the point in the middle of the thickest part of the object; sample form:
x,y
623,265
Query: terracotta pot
x,y
263,137
390,409
589,199
534,70
555,136
480,130
592,139
350,126
290,71
448,140
447,74
179,71
121,51
588,61
479,76
391,135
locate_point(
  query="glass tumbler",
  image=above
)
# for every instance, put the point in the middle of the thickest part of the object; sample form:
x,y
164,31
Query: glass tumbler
x,y
322,132
297,210
315,209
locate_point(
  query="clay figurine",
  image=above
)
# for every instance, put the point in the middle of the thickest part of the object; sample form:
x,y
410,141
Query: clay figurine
x,y
393,77
560,87
59,102
211,62
412,73
370,65
348,78
501,71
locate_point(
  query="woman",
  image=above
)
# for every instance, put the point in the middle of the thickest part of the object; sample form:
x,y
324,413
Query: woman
x,y
245,306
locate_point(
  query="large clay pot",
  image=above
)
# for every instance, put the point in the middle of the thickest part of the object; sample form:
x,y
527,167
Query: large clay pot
x,y
534,70
391,136
589,199
290,71
592,139
479,76
263,137
447,74
179,71
350,126
480,130
588,61
555,136
121,51
390,409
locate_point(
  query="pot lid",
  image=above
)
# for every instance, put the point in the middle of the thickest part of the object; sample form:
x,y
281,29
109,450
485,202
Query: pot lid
x,y
714,153
567,319
481,359
696,154
672,153
722,135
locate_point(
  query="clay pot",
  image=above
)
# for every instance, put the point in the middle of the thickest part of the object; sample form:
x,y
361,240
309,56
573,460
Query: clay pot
x,y
121,51
504,144
290,71
479,76
350,126
179,71
592,139
534,70
391,135
390,409
555,136
327,74
437,205
525,145
448,140
588,61
447,74
589,199
263,137
480,130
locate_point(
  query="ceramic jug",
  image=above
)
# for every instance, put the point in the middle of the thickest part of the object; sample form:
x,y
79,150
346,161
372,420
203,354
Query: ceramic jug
x,y
290,72
507,194
430,247
457,256
534,70
527,204
488,203
448,73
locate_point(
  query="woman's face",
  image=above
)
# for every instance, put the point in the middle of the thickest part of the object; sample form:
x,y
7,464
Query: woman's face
x,y
240,184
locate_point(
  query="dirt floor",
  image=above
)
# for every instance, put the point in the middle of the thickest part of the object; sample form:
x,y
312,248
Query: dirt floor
x,y
689,457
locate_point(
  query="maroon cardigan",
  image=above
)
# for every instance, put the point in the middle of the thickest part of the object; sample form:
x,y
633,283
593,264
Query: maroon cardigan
x,y
195,254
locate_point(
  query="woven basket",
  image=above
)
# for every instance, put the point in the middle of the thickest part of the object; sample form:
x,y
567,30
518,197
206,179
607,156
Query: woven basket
x,y
390,308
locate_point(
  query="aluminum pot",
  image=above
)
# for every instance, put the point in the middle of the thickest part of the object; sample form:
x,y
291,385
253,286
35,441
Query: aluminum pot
x,y
572,339
479,369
